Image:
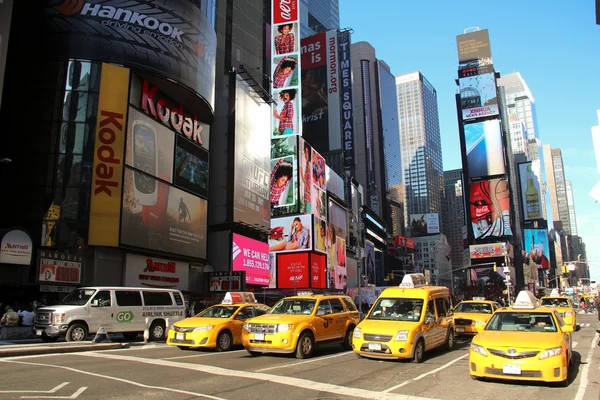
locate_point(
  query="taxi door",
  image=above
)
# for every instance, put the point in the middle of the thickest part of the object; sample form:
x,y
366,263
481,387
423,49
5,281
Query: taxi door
x,y
324,321
338,313
236,324
431,330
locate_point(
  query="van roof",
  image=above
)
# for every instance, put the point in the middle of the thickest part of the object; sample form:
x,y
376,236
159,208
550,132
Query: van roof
x,y
127,288
420,291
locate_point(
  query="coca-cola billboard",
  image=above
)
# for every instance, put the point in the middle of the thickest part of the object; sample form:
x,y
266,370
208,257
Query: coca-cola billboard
x,y
292,268
285,11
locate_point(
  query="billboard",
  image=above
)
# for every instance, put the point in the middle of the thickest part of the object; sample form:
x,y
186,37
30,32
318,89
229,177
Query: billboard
x,y
335,184
191,167
313,181
15,247
474,46
478,96
225,281
531,197
293,270
346,99
489,250
335,245
320,90
318,271
156,272
162,217
424,224
105,202
485,151
283,183
291,234
490,208
58,267
170,38
536,246
251,256
252,158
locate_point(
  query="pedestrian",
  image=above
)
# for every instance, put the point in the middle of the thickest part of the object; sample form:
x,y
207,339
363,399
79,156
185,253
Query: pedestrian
x,y
27,316
10,317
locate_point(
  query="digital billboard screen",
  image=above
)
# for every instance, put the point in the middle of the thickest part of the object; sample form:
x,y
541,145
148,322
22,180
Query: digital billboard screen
x,y
283,183
474,46
291,234
478,96
424,224
531,197
335,244
293,270
485,151
536,247
490,208
191,167
251,256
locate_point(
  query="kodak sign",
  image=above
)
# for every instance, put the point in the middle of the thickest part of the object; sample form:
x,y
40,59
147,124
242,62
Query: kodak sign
x,y
107,176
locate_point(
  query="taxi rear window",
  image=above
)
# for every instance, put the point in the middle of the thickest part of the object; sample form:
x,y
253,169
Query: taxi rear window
x,y
521,322
556,302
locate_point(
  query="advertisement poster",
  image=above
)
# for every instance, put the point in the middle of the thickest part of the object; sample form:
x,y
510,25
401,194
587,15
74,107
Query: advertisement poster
x,y
485,152
490,208
154,272
531,195
272,270
161,217
251,256
171,38
335,184
488,250
424,224
58,267
290,234
15,247
474,46
305,181
252,158
225,281
283,182
320,234
286,39
346,99
191,167
285,72
293,271
335,244
478,96
286,117
318,271
535,244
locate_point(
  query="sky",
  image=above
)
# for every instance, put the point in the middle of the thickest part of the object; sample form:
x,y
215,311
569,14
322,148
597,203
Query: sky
x,y
554,45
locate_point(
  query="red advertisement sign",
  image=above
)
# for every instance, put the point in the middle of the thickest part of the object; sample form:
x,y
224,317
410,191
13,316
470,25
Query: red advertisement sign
x,y
285,11
293,267
313,51
318,271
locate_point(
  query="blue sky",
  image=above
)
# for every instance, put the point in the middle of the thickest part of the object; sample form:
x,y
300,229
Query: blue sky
x,y
555,45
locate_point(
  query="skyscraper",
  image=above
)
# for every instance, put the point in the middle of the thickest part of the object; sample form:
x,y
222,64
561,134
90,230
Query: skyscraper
x,y
420,143
454,223
558,188
571,203
318,16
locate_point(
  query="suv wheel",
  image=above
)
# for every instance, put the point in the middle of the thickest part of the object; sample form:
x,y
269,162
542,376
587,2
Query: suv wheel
x,y
76,333
347,344
305,346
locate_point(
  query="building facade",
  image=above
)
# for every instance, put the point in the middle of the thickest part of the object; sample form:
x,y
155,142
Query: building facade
x,y
318,16
454,223
558,188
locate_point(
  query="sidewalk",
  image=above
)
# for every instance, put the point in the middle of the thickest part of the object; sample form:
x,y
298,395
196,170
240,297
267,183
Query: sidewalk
x,y
30,349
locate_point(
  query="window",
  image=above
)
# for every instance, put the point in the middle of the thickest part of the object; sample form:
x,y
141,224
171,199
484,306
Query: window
x,y
439,304
349,304
260,310
244,313
430,313
178,299
103,298
336,306
128,298
157,299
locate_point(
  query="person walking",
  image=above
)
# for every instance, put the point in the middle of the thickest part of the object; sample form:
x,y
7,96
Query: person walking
x,y
10,317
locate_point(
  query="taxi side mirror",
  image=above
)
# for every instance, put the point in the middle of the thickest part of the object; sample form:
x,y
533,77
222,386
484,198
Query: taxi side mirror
x,y
95,303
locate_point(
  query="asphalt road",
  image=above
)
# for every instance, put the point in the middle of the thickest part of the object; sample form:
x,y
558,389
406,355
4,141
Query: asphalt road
x,y
157,371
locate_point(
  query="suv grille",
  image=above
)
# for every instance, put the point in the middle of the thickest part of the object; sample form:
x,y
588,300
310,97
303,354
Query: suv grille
x,y
179,329
460,321
525,354
262,328
43,318
377,338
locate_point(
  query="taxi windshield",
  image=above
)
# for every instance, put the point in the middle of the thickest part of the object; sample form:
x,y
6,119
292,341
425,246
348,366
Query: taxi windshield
x,y
294,306
556,302
394,309
218,312
521,322
482,308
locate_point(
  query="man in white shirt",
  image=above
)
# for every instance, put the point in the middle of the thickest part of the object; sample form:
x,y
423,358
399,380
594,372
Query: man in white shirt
x,y
27,316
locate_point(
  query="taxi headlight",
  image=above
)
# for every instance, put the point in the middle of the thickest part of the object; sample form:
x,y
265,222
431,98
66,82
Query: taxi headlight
x,y
246,326
59,318
283,327
357,332
478,349
401,336
479,322
203,328
555,351
568,314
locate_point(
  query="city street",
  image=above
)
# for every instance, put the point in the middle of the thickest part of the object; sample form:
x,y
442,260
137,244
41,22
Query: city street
x,y
160,372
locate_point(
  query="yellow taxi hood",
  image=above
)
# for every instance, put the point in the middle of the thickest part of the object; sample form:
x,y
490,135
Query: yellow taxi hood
x,y
387,326
280,319
194,322
520,340
472,316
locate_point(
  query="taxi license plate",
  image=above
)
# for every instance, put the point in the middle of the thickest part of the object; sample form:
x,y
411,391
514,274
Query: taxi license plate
x,y
460,329
375,346
38,332
512,369
259,336
180,336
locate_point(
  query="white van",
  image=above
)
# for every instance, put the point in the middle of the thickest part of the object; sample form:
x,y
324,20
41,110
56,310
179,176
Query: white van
x,y
127,310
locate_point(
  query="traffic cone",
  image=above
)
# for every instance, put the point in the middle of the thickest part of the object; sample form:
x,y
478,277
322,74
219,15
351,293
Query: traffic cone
x,y
146,335
101,336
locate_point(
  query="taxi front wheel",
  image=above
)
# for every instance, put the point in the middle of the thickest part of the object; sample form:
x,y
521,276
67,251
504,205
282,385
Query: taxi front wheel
x,y
419,353
305,346
224,341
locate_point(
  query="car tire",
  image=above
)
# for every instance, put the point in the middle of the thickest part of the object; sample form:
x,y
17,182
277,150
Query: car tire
x,y
130,335
347,344
419,352
305,346
450,339
76,333
49,339
224,341
157,331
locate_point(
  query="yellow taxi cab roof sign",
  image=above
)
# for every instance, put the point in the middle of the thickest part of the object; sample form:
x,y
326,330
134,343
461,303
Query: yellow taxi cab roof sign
x,y
525,301
554,292
238,297
479,298
413,280
305,293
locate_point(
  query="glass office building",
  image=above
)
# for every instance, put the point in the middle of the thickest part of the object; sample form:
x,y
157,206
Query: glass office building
x,y
318,16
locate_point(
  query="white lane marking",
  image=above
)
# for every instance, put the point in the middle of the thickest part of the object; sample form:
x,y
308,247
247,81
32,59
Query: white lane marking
x,y
304,362
73,396
207,396
201,355
282,380
425,374
583,382
57,388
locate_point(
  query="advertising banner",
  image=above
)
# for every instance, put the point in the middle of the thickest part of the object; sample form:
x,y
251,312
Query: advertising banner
x,y
402,241
490,208
170,38
313,181
251,256
488,250
156,272
58,267
161,217
424,224
15,248
335,244
531,197
318,271
226,281
485,151
283,185
478,96
474,46
290,234
346,99
252,159
105,202
293,271
335,184
320,234
535,244
191,167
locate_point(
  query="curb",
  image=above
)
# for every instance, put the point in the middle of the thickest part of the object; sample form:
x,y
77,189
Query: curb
x,y
38,350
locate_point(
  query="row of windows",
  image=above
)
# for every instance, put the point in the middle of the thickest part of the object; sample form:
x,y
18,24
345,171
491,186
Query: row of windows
x,y
132,298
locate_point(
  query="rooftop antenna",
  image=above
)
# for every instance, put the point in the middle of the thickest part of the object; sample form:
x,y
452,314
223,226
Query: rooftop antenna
x,y
471,29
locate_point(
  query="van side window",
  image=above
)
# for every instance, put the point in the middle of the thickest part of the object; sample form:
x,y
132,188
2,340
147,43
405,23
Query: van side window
x,y
103,298
128,298
430,310
157,298
439,304
336,306
178,299
349,304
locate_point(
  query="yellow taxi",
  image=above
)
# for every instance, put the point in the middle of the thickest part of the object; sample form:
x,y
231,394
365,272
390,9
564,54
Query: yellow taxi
x,y
219,326
406,321
469,314
523,342
297,323
563,305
